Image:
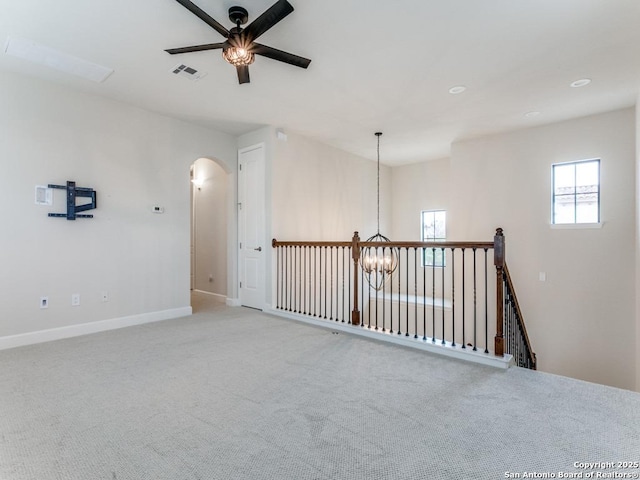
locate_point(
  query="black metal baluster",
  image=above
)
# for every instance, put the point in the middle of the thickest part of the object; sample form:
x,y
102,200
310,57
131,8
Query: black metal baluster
x,y
475,304
407,294
301,280
369,274
295,279
464,344
343,304
377,283
325,282
486,305
286,278
292,279
362,289
433,294
337,284
317,275
304,279
299,277
313,266
331,283
442,294
507,315
453,297
424,294
320,278
277,278
309,279
415,292
384,303
399,294
350,274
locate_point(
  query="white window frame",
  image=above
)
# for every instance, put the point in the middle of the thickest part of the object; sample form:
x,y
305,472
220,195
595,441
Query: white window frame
x,y
439,260
576,223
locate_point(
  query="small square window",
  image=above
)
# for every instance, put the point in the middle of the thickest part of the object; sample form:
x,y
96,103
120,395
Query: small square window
x,y
434,223
576,192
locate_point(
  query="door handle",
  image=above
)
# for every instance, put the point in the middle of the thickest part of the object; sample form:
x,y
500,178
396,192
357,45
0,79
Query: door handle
x,y
259,249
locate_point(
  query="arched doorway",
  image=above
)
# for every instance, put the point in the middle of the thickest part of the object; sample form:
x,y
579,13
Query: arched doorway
x,y
209,233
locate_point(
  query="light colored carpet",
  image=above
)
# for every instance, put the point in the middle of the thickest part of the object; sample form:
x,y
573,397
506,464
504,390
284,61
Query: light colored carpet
x,y
231,393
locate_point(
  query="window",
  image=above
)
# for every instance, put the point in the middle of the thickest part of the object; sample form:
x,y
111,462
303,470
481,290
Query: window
x,y
576,192
434,230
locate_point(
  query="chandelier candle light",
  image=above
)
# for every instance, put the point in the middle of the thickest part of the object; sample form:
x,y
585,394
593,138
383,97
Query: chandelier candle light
x,y
380,261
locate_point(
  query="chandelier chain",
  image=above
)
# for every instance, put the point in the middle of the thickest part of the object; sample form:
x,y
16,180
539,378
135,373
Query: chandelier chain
x,y
378,151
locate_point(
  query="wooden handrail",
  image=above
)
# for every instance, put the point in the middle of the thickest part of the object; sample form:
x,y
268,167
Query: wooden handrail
x,y
300,243
392,244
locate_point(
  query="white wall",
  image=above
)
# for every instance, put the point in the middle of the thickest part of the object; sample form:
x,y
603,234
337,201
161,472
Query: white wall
x,y
322,193
134,159
637,246
418,187
582,320
210,218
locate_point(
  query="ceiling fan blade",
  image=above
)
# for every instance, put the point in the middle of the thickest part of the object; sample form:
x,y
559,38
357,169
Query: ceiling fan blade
x,y
204,16
243,74
195,48
279,55
268,19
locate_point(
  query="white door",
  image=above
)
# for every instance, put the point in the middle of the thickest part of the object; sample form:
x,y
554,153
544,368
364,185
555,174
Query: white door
x,y
252,246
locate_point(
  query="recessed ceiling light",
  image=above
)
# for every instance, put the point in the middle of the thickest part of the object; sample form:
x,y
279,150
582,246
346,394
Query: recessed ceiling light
x,y
457,89
580,83
531,114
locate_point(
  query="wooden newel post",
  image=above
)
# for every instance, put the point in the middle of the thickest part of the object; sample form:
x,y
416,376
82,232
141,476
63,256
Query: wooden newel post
x,y
355,253
498,260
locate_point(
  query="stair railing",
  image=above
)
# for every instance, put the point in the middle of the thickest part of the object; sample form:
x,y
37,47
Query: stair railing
x,y
446,303
517,341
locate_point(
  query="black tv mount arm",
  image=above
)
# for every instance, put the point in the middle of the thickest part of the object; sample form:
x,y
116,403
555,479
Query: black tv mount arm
x,y
72,193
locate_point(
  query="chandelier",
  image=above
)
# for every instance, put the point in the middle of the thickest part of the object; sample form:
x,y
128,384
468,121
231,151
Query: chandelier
x,y
380,261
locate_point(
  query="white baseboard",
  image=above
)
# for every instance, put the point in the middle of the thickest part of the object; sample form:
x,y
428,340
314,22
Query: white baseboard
x,y
233,302
468,355
40,336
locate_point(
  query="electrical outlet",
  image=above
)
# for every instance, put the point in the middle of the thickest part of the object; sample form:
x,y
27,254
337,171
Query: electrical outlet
x,y
105,296
44,302
75,299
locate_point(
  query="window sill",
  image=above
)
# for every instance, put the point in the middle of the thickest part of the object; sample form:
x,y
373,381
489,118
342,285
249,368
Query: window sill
x,y
573,226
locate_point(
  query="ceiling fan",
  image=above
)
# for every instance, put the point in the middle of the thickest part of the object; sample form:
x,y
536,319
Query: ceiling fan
x,y
240,47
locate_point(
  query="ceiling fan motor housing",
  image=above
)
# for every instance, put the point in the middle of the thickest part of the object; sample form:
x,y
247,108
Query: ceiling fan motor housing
x,y
238,15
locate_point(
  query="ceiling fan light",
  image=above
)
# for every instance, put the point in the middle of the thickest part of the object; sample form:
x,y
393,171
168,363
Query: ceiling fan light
x,y
238,56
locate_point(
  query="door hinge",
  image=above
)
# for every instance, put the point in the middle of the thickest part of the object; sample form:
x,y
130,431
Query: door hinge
x,y
240,284
240,167
240,245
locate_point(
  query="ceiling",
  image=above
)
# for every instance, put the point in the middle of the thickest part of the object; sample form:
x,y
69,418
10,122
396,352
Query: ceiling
x,y
376,65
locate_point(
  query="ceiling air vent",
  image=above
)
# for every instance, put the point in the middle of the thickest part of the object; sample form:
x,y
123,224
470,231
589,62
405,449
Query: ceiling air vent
x,y
187,72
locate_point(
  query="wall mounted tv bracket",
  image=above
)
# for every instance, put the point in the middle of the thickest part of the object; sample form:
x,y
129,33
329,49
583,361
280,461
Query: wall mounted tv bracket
x,y
72,193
